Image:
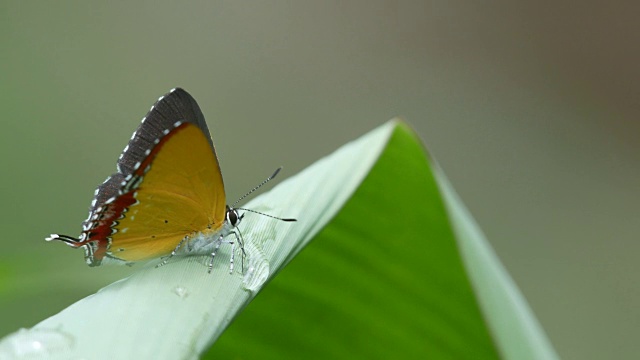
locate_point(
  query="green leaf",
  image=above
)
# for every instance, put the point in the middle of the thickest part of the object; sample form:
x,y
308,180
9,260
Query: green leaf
x,y
401,272
396,269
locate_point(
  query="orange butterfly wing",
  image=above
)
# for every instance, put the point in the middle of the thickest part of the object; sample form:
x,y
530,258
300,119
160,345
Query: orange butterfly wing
x,y
180,194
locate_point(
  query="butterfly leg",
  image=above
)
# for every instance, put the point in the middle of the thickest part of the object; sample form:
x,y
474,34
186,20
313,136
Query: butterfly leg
x,y
233,253
213,254
173,253
244,254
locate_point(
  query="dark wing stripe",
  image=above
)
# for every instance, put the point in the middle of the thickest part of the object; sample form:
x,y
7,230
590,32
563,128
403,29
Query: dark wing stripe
x,y
177,105
107,190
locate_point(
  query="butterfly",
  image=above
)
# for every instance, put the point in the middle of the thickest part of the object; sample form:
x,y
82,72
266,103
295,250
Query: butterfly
x,y
167,193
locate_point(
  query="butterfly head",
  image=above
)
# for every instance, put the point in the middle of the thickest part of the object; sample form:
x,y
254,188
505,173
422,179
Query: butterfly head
x,y
232,217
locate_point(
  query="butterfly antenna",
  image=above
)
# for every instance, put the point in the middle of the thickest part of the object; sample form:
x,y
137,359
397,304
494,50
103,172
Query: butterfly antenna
x,y
271,216
257,187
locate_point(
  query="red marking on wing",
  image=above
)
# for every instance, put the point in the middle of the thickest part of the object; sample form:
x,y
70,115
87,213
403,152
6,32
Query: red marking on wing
x,y
102,227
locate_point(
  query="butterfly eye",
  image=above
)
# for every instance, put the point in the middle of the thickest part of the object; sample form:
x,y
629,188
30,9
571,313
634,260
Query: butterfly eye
x,y
232,217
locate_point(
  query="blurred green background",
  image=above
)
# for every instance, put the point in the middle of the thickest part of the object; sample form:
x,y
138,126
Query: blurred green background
x,y
531,108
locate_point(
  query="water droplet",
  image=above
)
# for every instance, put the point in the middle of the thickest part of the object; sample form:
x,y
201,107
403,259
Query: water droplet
x,y
181,291
36,344
258,269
